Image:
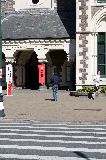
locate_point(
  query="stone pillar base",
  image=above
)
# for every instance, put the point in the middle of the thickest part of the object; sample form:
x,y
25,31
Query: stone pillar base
x,y
42,88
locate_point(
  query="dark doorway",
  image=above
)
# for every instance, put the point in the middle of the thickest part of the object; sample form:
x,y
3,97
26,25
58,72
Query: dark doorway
x,y
4,84
31,72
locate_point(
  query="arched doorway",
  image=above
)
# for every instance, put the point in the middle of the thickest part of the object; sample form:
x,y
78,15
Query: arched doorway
x,y
31,72
26,69
57,62
4,85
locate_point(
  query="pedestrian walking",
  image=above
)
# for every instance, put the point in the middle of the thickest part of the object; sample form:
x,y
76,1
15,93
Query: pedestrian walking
x,y
96,84
55,80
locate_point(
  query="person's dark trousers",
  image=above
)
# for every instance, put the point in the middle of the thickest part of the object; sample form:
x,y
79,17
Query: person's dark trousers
x,y
55,91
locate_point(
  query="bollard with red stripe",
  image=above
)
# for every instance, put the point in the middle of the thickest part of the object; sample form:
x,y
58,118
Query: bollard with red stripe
x,y
9,89
9,79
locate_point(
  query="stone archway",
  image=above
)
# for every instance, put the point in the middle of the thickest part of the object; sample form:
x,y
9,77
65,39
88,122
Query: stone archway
x,y
3,71
57,62
31,72
26,69
99,28
99,21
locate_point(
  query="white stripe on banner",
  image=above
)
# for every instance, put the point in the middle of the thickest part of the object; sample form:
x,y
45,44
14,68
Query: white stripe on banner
x,y
42,131
37,157
51,141
52,136
53,148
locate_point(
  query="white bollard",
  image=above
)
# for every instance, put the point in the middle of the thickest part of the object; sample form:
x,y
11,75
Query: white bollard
x,y
2,114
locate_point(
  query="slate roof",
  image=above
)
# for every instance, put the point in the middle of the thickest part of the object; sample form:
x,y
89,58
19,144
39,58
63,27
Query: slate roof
x,y
31,24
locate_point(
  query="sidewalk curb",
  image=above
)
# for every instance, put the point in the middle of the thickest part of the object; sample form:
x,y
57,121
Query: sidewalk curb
x,y
51,122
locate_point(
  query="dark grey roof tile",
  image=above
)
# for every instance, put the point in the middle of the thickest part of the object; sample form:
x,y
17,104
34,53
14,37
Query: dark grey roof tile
x,y
34,24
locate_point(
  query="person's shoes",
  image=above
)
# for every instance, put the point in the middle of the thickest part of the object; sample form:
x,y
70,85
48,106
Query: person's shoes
x,y
97,94
93,95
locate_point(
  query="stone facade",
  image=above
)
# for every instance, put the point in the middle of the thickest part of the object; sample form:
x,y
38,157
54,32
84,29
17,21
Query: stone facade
x,y
42,31
57,25
7,6
95,9
82,28
90,21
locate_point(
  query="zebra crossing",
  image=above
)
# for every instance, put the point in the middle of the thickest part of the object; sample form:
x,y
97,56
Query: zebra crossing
x,y
52,141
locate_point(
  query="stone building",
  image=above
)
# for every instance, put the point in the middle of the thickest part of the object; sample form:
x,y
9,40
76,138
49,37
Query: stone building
x,y
90,41
39,32
68,36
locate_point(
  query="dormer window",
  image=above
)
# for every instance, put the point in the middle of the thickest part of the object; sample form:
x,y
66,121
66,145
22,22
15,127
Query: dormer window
x,y
35,1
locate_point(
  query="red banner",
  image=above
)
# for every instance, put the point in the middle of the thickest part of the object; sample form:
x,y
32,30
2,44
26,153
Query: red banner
x,y
41,68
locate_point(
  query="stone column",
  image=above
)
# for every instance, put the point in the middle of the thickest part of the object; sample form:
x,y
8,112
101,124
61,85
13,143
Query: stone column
x,y
9,56
41,55
82,38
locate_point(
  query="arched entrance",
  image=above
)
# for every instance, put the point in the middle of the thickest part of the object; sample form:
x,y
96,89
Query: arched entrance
x,y
26,69
31,72
57,62
4,85
58,58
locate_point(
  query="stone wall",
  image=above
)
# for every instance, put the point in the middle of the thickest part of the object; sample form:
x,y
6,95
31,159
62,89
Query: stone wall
x,y
84,57
82,40
95,9
6,7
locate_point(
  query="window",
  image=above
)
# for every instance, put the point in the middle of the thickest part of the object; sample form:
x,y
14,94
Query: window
x,y
102,53
35,1
101,1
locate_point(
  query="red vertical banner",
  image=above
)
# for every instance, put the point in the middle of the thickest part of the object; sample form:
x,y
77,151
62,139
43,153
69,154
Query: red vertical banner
x,y
41,68
9,89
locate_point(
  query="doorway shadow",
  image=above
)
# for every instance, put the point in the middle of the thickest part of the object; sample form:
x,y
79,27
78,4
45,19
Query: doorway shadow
x,y
31,73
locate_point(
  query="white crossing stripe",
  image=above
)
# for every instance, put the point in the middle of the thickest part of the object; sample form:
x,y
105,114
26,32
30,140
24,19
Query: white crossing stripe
x,y
51,141
37,157
53,131
13,123
69,124
38,141
52,136
53,148
53,127
53,124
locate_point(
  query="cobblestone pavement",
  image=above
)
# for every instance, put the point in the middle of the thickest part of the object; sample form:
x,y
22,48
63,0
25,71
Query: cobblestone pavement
x,y
37,106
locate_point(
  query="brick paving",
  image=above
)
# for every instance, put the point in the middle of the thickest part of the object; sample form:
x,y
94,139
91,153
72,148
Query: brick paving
x,y
37,106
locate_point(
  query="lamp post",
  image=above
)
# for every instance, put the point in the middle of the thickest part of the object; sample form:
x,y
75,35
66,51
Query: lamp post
x,y
2,114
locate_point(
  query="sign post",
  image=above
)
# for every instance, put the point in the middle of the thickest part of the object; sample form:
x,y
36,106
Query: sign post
x,y
2,114
9,78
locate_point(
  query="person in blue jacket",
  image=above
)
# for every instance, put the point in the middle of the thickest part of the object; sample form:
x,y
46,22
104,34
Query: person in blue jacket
x,y
55,80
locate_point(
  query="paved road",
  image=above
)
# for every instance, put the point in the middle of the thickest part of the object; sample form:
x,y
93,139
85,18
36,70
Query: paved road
x,y
37,106
52,141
